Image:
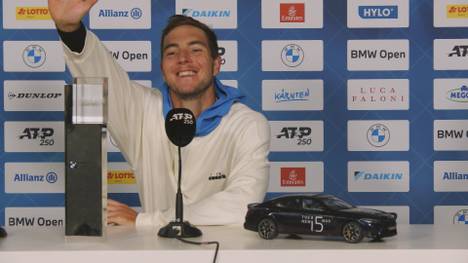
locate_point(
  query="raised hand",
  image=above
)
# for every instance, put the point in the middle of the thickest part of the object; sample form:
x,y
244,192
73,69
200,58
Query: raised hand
x,y
67,14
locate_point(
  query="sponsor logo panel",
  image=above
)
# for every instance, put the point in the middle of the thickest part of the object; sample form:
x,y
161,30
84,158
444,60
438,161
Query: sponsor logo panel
x,y
296,177
451,94
131,55
378,94
33,95
26,14
381,14
216,14
378,135
291,95
228,52
292,14
376,55
34,136
121,15
450,135
34,178
292,55
451,176
296,136
378,176
450,54
34,217
31,56
450,215
402,212
121,178
452,13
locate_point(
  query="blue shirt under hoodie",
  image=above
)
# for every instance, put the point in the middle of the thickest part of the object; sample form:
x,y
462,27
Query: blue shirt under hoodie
x,y
210,118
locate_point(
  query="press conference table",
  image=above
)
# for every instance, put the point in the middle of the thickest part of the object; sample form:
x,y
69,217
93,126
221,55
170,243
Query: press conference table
x,y
425,243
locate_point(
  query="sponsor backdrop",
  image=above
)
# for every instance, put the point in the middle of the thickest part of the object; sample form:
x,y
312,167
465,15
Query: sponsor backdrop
x,y
367,99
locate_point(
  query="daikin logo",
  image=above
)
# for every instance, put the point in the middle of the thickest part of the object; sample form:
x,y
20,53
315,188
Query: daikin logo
x,y
369,176
135,13
286,96
458,95
378,12
34,56
205,13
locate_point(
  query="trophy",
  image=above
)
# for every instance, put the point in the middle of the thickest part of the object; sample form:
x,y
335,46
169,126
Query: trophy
x,y
85,157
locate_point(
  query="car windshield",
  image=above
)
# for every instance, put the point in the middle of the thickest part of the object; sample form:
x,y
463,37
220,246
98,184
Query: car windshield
x,y
336,204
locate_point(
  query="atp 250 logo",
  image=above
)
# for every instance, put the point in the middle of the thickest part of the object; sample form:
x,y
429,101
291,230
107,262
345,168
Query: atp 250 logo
x,y
291,136
42,135
300,134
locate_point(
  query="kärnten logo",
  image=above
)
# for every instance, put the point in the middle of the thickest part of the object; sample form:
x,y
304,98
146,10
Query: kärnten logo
x,y
378,135
292,55
34,56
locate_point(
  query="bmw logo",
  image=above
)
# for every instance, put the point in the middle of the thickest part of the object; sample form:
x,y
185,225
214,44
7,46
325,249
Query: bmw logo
x,y
461,217
378,135
136,13
34,56
292,55
51,177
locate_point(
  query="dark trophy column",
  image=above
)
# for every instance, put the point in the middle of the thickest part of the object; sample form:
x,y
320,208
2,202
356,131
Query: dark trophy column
x,y
85,157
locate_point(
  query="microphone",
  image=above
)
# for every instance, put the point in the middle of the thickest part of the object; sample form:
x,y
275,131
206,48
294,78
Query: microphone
x,y
180,129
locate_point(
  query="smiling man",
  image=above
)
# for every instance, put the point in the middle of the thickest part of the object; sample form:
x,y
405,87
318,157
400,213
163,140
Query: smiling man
x,y
225,166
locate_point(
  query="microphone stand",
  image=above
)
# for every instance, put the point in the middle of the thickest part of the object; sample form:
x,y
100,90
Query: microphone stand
x,y
179,227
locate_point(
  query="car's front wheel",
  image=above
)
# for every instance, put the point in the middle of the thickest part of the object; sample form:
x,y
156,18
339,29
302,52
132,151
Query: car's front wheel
x,y
267,229
352,232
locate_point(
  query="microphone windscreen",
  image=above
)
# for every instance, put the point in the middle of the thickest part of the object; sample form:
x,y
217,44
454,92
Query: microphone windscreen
x,y
180,126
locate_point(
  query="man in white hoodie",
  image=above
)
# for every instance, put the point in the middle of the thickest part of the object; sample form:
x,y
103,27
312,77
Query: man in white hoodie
x,y
225,167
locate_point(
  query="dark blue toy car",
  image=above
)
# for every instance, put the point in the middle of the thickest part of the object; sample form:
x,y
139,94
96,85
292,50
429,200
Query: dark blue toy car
x,y
318,215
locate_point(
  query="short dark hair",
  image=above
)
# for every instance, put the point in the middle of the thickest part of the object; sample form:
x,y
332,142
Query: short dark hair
x,y
181,20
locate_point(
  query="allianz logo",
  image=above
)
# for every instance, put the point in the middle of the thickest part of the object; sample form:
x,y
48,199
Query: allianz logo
x,y
135,13
285,96
50,177
458,95
454,176
371,176
373,12
206,13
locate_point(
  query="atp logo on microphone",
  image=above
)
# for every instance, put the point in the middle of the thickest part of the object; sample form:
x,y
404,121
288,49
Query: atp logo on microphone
x,y
186,117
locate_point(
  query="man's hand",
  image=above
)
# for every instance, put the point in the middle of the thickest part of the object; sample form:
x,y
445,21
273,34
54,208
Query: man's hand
x,y
120,214
67,14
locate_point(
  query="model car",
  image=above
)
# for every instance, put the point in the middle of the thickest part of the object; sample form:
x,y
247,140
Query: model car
x,y
318,215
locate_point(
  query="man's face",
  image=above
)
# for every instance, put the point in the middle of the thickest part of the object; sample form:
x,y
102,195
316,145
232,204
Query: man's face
x,y
186,63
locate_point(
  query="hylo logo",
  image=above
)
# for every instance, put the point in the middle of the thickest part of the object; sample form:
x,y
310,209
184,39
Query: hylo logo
x,y
378,135
373,12
34,56
293,176
292,55
292,13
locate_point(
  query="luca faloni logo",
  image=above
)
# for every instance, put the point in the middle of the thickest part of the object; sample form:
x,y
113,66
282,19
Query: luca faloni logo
x,y
292,55
293,176
292,13
34,56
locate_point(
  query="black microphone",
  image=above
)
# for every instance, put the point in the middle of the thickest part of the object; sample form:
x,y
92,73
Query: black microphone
x,y
180,129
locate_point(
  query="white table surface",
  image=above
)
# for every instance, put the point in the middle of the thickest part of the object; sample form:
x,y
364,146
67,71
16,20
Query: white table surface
x,y
425,243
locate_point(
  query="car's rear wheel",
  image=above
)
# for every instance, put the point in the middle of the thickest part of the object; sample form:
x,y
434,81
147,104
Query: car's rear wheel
x,y
352,232
267,229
